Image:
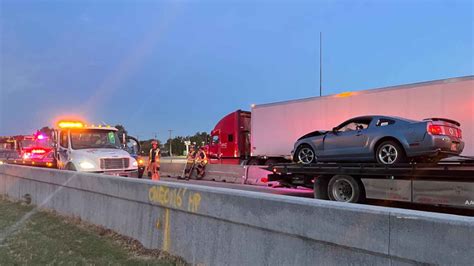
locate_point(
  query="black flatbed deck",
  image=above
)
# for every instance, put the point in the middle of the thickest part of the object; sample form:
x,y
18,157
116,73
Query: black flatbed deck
x,y
451,170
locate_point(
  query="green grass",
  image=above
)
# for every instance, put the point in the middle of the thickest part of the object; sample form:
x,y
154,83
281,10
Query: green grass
x,y
46,238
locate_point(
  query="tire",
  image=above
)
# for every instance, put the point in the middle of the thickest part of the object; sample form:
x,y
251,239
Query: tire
x,y
305,155
71,167
344,188
390,153
253,161
271,162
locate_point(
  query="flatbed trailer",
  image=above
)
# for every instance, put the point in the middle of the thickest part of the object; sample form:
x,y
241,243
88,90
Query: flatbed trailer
x,y
446,183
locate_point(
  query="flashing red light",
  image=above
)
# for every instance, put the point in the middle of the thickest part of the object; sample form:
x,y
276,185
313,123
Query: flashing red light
x,y
38,151
264,179
40,137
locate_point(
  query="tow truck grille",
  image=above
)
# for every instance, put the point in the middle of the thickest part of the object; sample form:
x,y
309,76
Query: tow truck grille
x,y
115,163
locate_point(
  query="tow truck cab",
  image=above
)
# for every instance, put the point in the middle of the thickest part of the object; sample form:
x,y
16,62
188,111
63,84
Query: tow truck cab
x,y
94,149
230,139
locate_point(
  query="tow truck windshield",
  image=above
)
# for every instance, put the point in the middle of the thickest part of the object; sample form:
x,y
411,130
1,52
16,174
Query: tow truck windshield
x,y
92,139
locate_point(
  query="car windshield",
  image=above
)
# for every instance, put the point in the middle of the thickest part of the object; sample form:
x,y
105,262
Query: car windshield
x,y
91,139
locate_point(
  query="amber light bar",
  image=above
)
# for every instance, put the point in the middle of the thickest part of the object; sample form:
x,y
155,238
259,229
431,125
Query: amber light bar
x,y
70,124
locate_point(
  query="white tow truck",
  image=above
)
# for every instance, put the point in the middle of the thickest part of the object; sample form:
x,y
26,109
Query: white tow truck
x,y
93,149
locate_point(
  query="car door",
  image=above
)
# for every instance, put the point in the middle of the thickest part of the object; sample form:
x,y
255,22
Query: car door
x,y
349,140
63,152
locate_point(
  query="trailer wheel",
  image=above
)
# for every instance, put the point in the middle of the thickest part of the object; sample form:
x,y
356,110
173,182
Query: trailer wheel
x,y
305,155
253,161
345,188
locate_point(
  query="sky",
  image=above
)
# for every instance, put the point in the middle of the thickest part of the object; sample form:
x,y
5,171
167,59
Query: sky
x,y
182,65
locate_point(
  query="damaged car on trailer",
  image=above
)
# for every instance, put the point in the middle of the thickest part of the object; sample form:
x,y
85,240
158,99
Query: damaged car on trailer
x,y
386,140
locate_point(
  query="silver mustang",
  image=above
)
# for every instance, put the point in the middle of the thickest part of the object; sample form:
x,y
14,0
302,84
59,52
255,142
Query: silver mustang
x,y
386,140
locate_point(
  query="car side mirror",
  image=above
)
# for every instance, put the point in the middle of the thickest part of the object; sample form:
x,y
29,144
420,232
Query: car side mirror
x,y
334,130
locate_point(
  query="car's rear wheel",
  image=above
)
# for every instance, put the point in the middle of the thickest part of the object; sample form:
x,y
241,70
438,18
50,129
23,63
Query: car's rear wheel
x,y
389,153
345,188
305,155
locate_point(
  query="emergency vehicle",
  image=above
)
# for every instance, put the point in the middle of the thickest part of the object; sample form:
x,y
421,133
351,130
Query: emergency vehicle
x,y
91,148
37,150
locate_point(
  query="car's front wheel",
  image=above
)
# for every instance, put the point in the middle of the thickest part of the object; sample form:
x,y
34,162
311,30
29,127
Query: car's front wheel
x,y
389,153
305,155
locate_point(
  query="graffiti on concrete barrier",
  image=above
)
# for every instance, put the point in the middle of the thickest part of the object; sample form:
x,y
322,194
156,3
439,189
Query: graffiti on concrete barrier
x,y
178,198
175,198
194,202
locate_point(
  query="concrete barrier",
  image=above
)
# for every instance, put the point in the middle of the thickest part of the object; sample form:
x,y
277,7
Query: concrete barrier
x,y
172,169
214,172
238,174
217,226
255,175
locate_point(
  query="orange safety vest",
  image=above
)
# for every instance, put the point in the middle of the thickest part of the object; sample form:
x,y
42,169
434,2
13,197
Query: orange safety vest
x,y
157,155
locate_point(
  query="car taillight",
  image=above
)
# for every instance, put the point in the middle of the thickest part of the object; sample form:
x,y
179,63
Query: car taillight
x,y
459,133
435,129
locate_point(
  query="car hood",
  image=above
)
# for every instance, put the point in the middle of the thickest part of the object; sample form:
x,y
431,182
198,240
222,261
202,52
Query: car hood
x,y
314,134
103,153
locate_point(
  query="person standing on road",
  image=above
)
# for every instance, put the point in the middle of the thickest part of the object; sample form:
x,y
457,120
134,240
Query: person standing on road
x,y
154,161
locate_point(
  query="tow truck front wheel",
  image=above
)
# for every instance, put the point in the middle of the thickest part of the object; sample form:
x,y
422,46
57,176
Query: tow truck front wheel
x,y
70,167
345,188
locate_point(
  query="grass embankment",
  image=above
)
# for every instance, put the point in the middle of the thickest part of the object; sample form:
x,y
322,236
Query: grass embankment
x,y
47,238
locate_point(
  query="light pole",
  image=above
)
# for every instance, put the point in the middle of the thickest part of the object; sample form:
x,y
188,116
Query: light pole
x,y
320,64
171,141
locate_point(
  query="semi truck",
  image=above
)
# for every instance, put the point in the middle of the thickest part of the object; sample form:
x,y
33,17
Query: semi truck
x,y
91,148
266,135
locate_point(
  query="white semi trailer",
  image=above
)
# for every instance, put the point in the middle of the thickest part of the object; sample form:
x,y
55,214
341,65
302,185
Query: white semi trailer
x,y
276,126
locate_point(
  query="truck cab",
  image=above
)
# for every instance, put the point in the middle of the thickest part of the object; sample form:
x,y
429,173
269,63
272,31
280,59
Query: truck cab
x,y
230,139
93,149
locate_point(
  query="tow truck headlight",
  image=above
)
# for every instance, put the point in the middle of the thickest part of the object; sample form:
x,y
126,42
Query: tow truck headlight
x,y
135,163
86,165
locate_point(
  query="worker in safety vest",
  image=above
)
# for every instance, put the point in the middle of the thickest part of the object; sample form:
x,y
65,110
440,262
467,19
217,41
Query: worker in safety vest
x,y
200,162
154,161
188,169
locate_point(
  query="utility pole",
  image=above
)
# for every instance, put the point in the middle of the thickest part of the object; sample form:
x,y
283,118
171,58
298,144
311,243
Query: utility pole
x,y
171,141
320,64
